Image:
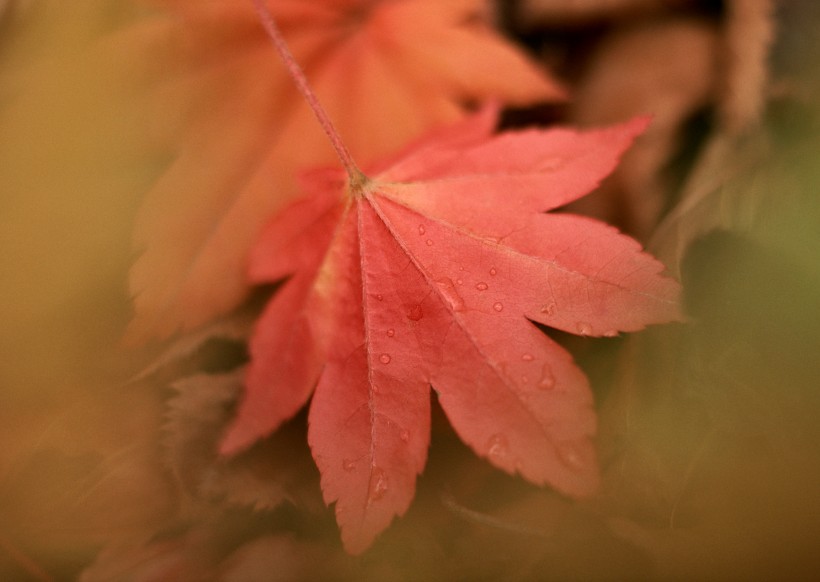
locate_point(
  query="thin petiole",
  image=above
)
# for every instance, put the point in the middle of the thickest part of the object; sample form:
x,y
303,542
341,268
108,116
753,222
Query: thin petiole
x,y
354,174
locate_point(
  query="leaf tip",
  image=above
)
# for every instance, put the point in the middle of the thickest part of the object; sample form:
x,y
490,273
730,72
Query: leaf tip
x,y
628,131
641,123
236,439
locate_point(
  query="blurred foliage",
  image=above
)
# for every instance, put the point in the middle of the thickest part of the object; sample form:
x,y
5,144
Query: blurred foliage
x,y
712,435
79,456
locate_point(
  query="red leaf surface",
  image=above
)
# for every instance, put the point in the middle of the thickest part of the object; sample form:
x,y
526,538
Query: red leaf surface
x,y
386,70
430,274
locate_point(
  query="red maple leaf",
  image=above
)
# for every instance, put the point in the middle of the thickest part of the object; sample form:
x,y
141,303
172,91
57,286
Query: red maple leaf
x,y
429,273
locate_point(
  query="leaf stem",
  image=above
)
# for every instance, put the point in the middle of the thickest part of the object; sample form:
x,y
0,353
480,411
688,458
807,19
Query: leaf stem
x,y
354,174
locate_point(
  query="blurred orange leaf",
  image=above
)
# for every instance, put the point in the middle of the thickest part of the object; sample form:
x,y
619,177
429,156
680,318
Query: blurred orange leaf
x,y
385,70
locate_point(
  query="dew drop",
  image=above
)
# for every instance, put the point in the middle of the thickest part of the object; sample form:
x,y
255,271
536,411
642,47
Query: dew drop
x,y
448,289
493,272
570,456
415,313
461,268
380,297
497,446
498,306
611,333
422,230
391,332
404,435
460,281
482,286
527,357
429,242
348,465
584,328
548,309
378,484
547,381
385,358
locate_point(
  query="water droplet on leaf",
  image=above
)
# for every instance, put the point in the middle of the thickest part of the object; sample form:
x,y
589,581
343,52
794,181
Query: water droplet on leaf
x,y
498,306
378,484
415,313
611,333
448,289
422,230
429,243
497,446
391,332
584,328
482,286
548,309
569,454
380,297
385,358
547,381
404,435
493,272
527,357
